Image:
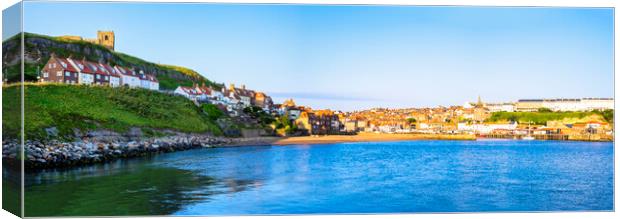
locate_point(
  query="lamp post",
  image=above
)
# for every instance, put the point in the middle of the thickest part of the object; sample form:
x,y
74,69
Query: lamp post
x,y
38,75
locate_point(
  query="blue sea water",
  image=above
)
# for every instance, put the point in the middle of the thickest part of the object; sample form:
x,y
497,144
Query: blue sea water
x,y
377,177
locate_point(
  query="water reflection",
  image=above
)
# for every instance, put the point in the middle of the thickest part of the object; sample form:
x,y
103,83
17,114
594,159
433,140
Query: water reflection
x,y
128,187
379,177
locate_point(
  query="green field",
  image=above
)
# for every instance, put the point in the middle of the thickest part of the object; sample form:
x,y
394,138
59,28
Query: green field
x,y
96,107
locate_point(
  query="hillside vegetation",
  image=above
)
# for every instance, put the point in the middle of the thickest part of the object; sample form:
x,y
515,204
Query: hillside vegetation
x,y
38,49
541,118
66,107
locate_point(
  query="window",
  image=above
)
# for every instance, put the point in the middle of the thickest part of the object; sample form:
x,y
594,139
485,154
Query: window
x,y
68,74
97,76
59,73
45,74
107,77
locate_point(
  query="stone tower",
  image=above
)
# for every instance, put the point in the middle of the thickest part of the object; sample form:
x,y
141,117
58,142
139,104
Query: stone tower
x,y
106,38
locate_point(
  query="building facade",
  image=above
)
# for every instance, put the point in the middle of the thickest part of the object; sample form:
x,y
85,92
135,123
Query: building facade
x,y
581,104
72,71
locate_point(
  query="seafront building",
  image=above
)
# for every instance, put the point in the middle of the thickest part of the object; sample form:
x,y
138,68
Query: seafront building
x,y
232,100
473,118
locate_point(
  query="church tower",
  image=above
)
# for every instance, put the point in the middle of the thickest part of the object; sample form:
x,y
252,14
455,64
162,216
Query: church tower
x,y
106,38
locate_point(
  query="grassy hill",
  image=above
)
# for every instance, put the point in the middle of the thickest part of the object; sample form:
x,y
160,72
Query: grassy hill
x,y
38,49
96,107
541,118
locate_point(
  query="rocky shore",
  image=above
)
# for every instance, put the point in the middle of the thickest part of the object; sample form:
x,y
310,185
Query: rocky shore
x,y
53,154
103,147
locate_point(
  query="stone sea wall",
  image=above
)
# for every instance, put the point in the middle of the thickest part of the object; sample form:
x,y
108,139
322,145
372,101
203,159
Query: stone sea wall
x,y
51,154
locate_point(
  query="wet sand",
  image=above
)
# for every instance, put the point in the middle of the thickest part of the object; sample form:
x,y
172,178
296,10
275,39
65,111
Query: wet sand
x,y
361,137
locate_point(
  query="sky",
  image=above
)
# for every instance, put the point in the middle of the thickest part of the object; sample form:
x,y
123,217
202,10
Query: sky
x,y
359,57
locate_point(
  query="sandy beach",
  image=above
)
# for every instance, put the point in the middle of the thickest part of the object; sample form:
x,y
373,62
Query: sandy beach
x,y
327,139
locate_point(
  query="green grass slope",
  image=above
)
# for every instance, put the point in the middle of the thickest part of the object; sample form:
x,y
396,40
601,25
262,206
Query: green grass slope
x,y
96,107
541,118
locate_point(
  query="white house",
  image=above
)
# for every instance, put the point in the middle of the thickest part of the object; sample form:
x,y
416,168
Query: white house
x,y
486,128
85,74
192,93
187,92
115,78
500,107
128,77
148,81
218,97
597,103
153,82
144,82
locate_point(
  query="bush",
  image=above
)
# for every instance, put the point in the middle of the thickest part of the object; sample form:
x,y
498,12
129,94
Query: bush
x,y
259,114
538,118
212,112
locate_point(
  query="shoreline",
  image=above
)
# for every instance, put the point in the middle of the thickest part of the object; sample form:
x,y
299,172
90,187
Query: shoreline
x,y
332,139
56,154
370,137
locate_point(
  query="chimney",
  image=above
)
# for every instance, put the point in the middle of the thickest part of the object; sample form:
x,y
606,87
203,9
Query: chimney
x,y
232,86
243,86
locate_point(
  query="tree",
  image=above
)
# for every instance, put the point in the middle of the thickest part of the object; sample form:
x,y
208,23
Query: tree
x,y
259,114
411,120
284,124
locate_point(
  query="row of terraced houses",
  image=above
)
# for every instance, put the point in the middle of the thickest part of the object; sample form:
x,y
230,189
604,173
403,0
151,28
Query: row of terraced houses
x,y
232,99
73,71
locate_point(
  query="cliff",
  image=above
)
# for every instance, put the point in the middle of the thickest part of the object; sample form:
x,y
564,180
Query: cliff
x,y
38,49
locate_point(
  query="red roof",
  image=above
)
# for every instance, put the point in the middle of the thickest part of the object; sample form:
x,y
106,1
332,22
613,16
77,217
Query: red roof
x,y
204,90
84,68
126,71
66,65
188,90
113,72
95,68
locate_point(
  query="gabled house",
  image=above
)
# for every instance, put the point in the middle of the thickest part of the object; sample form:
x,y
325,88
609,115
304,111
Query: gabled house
x,y
115,77
86,75
101,76
128,77
244,96
59,70
153,82
144,82
263,101
194,93
217,96
187,92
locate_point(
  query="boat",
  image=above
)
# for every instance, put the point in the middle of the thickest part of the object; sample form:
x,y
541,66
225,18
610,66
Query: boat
x,y
529,136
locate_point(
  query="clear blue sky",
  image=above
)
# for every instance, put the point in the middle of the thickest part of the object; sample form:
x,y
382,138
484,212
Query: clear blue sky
x,y
354,57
